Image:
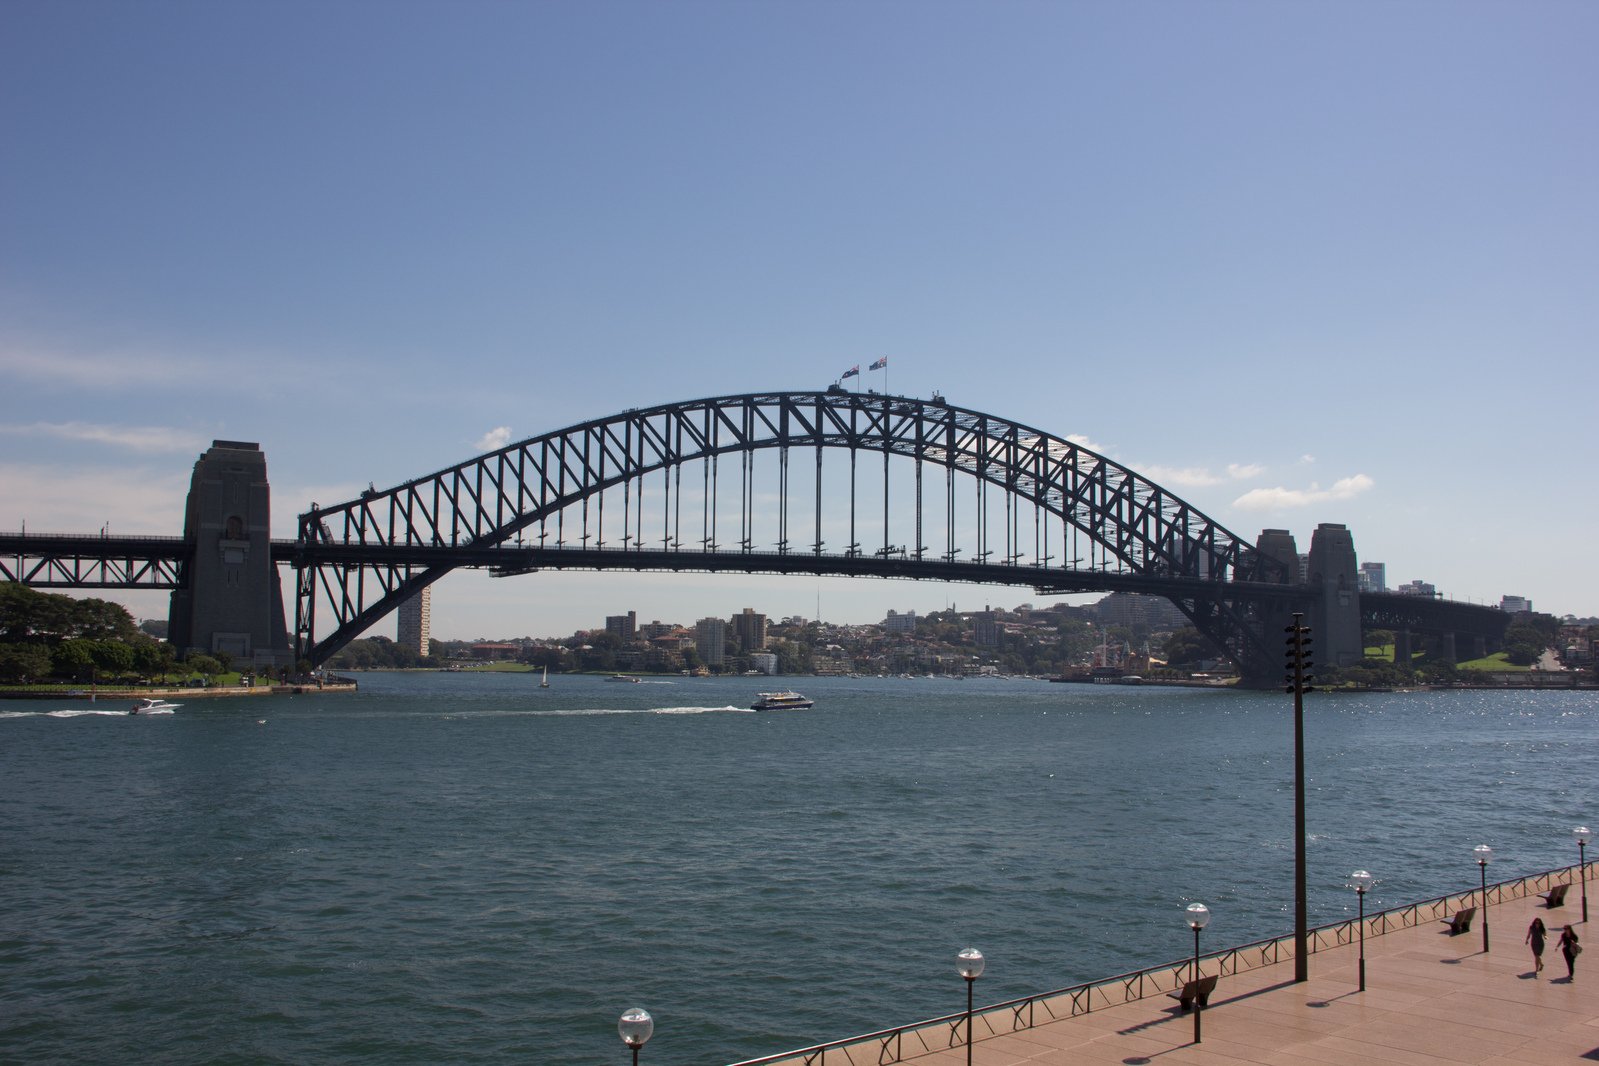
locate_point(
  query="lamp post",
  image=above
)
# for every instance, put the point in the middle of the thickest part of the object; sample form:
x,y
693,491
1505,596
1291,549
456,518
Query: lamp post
x,y
635,1026
1197,915
1299,678
970,964
1484,855
1360,880
1583,835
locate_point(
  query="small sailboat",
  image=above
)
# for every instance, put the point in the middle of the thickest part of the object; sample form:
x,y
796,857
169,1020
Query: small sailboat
x,y
545,683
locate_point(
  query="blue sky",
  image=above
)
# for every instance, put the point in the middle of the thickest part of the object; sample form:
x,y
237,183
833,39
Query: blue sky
x,y
1300,263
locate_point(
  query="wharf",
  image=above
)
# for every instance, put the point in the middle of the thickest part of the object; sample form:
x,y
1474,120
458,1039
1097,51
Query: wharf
x,y
1430,999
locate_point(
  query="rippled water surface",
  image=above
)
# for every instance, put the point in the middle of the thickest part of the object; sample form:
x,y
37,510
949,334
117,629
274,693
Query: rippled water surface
x,y
471,869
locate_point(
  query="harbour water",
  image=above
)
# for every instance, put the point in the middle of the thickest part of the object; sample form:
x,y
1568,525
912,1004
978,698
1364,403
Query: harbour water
x,y
470,869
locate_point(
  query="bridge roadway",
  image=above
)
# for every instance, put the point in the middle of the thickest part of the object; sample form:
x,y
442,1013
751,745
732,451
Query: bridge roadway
x,y
1430,999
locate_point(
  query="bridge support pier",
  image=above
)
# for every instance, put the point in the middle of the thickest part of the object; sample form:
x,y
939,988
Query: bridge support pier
x,y
1402,650
231,600
1336,621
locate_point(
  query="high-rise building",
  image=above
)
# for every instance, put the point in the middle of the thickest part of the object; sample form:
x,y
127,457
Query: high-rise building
x,y
623,625
1373,577
710,641
416,620
1515,605
900,623
1417,588
750,630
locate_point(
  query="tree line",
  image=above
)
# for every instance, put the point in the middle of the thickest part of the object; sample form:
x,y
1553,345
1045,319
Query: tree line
x,y
46,636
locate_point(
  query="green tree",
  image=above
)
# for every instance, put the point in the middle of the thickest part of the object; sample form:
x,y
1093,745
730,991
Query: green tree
x,y
1188,647
112,656
203,664
73,658
22,663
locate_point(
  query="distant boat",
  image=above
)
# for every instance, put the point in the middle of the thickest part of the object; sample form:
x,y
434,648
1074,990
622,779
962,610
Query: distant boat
x,y
546,682
623,677
780,701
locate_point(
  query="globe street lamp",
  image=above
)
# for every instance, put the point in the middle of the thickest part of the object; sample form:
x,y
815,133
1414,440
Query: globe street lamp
x,y
1360,881
1197,915
970,964
1583,835
636,1026
1484,855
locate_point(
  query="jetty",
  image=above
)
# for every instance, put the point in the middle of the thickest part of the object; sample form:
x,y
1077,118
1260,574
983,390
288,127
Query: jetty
x,y
1431,998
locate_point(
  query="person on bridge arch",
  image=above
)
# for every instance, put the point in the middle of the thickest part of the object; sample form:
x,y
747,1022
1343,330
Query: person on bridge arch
x,y
1536,932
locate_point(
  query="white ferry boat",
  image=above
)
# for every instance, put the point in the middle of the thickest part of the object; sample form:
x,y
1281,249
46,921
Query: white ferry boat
x,y
780,701
623,677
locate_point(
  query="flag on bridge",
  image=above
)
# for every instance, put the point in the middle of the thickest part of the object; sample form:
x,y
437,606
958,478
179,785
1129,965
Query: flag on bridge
x,y
880,364
852,372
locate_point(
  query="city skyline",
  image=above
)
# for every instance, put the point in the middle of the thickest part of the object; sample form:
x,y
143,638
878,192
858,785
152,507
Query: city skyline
x,y
1296,264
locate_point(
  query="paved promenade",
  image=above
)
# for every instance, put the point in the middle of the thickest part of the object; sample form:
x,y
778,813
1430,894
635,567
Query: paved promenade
x,y
1430,999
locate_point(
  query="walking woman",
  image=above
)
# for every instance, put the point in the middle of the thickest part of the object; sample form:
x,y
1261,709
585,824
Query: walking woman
x,y
1535,936
1570,948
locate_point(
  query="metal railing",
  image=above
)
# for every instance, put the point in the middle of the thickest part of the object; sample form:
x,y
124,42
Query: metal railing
x,y
946,1031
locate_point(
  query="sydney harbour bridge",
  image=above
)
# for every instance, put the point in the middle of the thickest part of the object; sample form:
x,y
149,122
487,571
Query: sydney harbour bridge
x,y
831,482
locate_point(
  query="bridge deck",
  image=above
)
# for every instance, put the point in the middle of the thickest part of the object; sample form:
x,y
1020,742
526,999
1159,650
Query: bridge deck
x,y
1430,999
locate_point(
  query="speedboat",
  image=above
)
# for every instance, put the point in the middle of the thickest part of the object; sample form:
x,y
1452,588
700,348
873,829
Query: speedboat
x,y
149,706
623,677
780,701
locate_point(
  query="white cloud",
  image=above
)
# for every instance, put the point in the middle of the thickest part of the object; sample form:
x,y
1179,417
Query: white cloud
x,y
494,439
1083,442
1279,498
153,439
100,370
1198,477
1188,477
57,500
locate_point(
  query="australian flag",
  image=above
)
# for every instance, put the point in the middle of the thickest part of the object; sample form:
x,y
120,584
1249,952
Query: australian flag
x,y
852,372
880,364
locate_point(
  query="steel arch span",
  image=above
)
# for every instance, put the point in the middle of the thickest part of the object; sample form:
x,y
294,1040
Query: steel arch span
x,y
902,487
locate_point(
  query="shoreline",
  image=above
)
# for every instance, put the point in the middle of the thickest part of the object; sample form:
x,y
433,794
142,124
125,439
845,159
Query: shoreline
x,y
99,695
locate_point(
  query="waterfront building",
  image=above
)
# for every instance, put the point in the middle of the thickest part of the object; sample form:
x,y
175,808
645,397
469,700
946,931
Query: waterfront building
x,y
764,661
749,628
710,641
415,621
1130,609
900,623
986,630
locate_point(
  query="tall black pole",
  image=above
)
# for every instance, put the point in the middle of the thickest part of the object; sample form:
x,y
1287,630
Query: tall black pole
x,y
1482,867
1198,1006
1582,871
1297,644
969,982
1362,894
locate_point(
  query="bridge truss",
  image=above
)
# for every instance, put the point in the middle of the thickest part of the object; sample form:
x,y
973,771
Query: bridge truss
x,y
800,482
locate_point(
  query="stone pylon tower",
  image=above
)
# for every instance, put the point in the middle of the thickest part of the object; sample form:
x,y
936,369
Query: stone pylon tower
x,y
1335,626
232,601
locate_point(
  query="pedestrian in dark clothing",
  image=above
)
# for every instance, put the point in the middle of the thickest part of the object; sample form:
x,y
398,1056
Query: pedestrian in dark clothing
x,y
1535,936
1570,948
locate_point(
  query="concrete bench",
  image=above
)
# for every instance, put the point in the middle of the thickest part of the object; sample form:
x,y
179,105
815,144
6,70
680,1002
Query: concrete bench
x,y
1555,897
1461,922
1198,989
